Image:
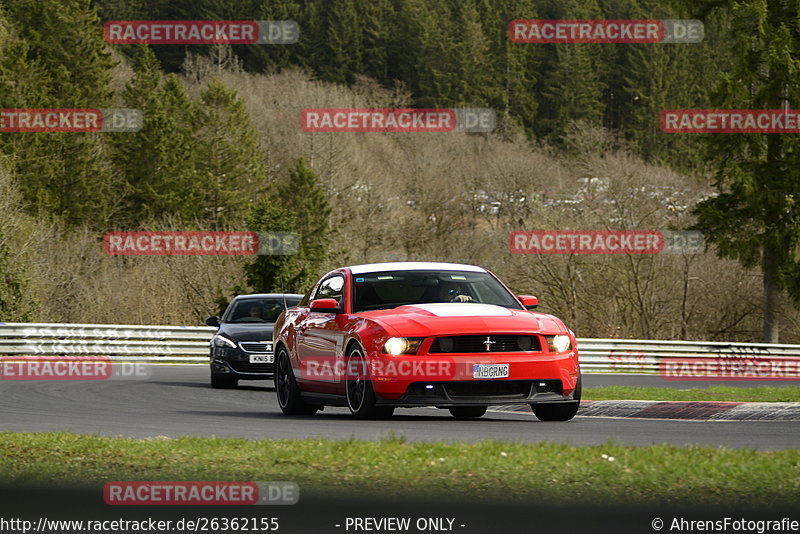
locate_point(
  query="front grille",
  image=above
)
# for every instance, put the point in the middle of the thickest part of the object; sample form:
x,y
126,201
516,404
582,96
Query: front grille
x,y
250,346
489,388
247,367
497,343
472,389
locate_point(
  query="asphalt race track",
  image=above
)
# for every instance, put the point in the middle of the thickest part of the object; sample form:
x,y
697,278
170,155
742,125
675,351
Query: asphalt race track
x,y
176,400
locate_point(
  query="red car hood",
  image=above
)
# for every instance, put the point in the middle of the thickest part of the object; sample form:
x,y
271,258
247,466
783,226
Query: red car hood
x,y
422,320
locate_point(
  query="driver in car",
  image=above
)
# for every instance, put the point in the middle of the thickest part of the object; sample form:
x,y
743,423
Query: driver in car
x,y
255,311
451,292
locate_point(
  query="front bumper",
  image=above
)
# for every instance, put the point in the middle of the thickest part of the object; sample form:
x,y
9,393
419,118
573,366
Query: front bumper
x,y
480,393
236,363
533,377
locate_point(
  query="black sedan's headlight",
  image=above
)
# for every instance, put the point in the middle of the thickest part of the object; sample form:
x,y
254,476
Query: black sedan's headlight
x,y
222,341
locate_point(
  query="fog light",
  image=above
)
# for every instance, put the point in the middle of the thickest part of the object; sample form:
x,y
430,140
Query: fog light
x,y
446,344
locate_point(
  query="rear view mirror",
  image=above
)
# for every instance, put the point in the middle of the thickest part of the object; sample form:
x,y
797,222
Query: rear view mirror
x,y
528,301
213,321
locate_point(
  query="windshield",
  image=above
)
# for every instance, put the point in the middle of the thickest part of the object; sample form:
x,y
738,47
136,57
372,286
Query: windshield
x,y
389,289
257,310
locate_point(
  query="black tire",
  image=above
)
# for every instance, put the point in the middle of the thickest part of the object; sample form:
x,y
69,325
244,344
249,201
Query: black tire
x,y
467,412
360,395
289,398
219,381
563,411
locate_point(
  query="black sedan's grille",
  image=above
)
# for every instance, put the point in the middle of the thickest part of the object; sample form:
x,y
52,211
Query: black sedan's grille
x,y
247,367
495,343
253,346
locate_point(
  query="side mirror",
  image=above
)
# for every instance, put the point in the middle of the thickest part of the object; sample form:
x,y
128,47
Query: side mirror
x,y
325,306
213,321
528,301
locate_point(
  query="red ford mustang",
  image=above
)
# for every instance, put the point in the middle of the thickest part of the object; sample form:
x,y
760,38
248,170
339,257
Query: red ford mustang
x,y
387,335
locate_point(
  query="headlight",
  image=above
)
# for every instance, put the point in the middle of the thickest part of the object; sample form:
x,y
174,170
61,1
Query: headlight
x,y
560,343
402,345
222,341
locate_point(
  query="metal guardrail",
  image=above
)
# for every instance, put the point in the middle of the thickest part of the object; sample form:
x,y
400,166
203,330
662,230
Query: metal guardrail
x,y
117,341
646,356
190,344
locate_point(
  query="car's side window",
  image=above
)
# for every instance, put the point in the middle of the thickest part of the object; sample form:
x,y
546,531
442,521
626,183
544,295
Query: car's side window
x,y
331,288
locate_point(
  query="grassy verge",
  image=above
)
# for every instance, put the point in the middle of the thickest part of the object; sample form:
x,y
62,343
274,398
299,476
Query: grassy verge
x,y
714,393
607,473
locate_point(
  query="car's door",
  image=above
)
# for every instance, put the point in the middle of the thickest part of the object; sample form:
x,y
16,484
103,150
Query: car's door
x,y
320,340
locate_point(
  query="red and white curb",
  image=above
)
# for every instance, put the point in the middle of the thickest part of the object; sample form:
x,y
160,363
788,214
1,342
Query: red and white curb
x,y
697,411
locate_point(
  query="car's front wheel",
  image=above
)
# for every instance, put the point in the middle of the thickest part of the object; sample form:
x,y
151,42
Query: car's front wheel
x,y
467,412
360,396
560,411
289,398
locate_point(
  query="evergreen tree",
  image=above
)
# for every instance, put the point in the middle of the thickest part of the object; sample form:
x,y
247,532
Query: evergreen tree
x,y
514,65
298,205
258,58
64,37
55,57
572,87
233,164
271,273
377,20
646,79
419,53
755,217
472,76
160,162
309,205
337,54
24,81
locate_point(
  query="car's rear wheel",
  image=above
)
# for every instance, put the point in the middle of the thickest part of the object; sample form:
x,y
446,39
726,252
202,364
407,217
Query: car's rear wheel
x,y
563,411
360,395
220,381
467,412
289,398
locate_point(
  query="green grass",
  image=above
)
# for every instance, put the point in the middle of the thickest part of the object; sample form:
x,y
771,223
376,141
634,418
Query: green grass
x,y
714,393
656,474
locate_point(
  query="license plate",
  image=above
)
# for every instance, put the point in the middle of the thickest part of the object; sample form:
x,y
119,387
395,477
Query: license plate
x,y
262,358
485,370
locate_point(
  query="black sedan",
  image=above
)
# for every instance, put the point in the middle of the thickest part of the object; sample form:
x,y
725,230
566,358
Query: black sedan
x,y
242,347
